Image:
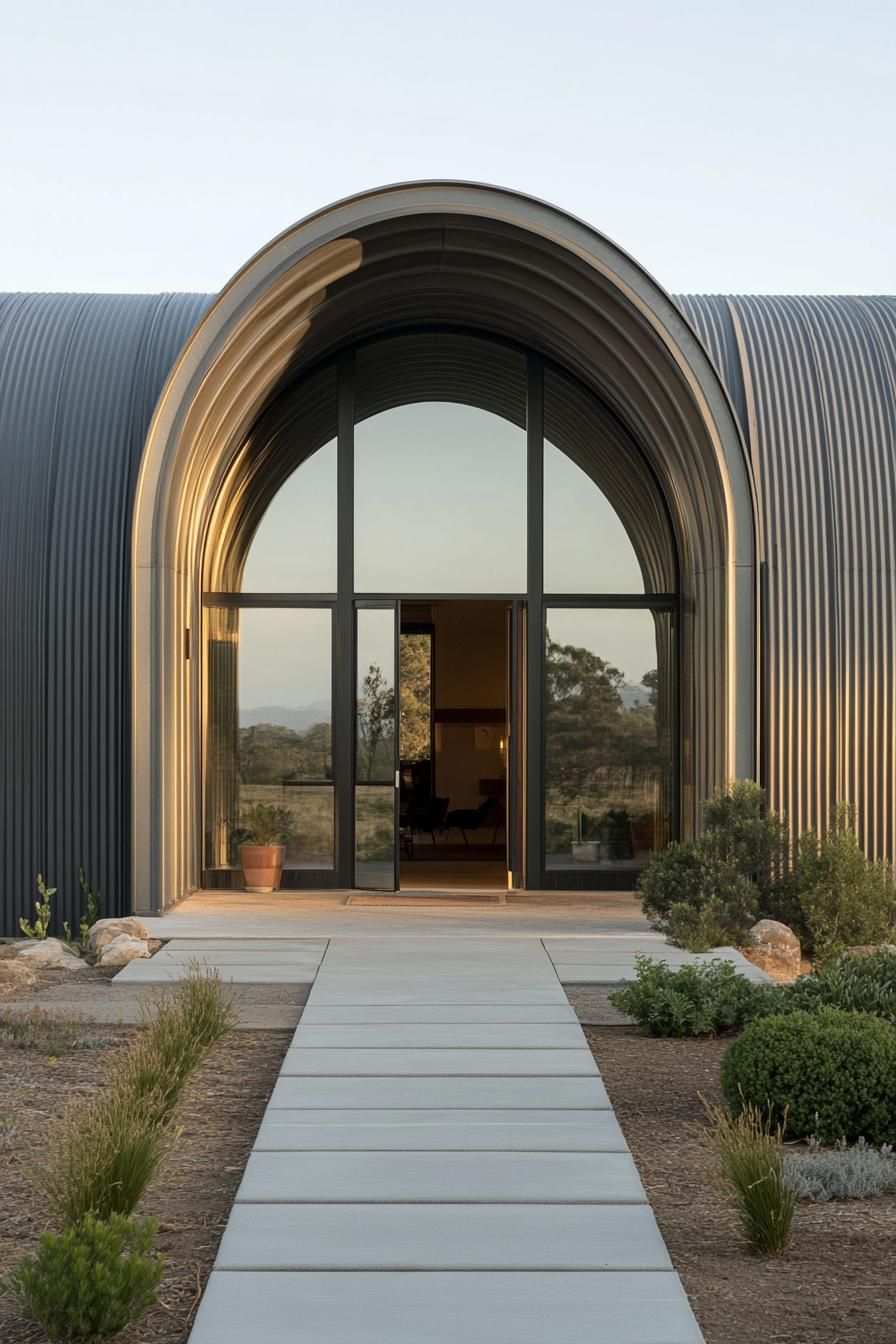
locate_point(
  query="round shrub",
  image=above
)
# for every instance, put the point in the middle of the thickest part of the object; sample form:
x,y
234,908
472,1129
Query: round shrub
x,y
828,1073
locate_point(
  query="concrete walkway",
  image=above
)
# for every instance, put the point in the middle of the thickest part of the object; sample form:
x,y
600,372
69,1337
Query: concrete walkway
x,y
439,1164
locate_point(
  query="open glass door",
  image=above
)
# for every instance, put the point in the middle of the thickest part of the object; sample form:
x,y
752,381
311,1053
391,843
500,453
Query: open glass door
x,y
515,700
376,746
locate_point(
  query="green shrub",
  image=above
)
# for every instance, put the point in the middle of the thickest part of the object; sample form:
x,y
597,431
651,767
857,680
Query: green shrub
x,y
710,892
88,1282
828,1073
749,1155
102,1156
855,984
847,1171
697,1000
90,915
845,898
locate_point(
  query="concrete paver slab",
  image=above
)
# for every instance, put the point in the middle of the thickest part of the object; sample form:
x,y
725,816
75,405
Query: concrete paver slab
x,y
442,1236
316,1014
546,1092
445,1308
468,1036
154,971
419,1063
439,1177
418,1130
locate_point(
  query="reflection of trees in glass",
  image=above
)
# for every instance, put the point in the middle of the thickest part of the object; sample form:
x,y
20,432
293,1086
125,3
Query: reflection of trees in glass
x,y
376,726
271,753
601,742
415,697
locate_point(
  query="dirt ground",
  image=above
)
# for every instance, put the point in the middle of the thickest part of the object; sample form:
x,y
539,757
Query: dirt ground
x,y
191,1197
834,1285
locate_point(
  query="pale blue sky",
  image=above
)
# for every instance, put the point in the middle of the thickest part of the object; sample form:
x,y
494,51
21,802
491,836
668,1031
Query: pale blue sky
x,y
743,146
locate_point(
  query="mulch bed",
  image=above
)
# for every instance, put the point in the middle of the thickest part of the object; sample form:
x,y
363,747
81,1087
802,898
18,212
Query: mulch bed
x,y
835,1283
218,1118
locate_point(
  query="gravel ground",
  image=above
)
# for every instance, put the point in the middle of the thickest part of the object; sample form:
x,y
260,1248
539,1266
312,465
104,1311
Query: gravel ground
x,y
217,1120
834,1285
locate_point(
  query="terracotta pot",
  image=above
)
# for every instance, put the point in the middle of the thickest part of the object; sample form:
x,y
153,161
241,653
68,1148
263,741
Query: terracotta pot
x,y
262,866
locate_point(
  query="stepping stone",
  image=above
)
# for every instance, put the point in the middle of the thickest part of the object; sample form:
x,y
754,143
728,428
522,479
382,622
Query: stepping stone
x,y
546,1092
421,1130
454,1177
604,1307
470,1036
419,1063
442,1236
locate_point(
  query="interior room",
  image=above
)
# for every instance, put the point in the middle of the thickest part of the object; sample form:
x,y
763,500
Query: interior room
x,y
453,745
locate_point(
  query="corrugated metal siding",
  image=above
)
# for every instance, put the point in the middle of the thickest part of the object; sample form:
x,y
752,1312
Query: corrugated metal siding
x,y
818,379
812,379
79,377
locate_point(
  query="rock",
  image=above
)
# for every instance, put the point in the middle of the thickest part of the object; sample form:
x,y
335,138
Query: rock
x,y
867,949
53,954
775,949
104,930
119,951
14,975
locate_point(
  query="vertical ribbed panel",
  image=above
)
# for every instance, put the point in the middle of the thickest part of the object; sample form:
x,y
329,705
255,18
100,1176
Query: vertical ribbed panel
x,y
814,380
79,377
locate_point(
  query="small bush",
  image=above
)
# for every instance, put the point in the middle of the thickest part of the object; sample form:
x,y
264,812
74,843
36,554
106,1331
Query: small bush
x,y
43,912
846,1172
710,892
750,1160
102,1156
828,1073
694,1001
845,898
855,984
88,1282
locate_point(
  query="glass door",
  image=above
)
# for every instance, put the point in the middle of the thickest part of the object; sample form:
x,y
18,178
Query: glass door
x,y
376,767
514,744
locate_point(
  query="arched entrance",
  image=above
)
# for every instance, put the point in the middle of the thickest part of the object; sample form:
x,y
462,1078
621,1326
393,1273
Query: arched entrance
x,y
438,266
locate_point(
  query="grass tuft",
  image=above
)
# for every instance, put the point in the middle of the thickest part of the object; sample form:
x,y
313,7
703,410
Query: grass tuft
x,y
103,1155
751,1167
49,1035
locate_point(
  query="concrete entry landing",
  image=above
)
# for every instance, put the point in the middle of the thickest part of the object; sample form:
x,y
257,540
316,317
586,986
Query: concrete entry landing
x,y
439,1162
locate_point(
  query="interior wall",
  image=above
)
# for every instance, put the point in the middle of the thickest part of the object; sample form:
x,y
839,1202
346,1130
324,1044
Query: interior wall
x,y
470,672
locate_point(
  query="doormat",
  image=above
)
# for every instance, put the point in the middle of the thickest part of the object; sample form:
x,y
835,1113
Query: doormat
x,y
426,897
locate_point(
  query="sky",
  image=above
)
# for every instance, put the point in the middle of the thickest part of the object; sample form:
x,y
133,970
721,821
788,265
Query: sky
x,y
729,146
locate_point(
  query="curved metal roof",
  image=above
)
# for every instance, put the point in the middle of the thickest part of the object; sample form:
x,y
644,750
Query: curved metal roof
x,y
813,382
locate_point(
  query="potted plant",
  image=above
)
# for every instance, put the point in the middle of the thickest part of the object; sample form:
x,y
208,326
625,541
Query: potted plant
x,y
615,833
262,835
584,851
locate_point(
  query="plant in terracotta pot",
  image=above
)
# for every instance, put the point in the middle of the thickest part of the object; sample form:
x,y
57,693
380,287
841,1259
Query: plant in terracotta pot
x,y
262,836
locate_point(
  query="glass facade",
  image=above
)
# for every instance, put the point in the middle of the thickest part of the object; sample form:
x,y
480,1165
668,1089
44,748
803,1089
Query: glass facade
x,y
443,481
269,733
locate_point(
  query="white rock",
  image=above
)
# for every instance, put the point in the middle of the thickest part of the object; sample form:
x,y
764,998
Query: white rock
x,y
52,953
104,930
119,951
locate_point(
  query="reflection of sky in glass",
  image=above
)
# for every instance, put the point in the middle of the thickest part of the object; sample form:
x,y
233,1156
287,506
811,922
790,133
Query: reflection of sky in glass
x,y
284,659
440,501
294,547
586,548
376,643
625,639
